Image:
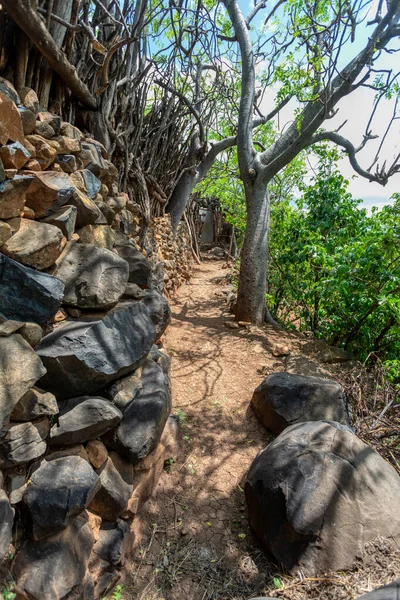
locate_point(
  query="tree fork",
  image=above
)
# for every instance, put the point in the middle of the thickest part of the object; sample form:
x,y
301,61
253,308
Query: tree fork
x,y
28,20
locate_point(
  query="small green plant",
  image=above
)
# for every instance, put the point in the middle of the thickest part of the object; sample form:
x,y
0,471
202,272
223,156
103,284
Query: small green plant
x,y
117,593
8,593
180,414
277,583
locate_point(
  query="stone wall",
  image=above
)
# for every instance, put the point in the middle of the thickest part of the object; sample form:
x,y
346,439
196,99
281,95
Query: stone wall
x,y
85,396
172,252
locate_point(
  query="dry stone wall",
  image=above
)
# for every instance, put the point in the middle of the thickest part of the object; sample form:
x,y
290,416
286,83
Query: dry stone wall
x,y
85,396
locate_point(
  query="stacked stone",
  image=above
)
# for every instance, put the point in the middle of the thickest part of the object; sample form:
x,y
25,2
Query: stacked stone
x,y
173,253
84,389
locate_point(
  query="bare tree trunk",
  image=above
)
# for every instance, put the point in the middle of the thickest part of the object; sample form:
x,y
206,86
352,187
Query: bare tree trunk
x,y
251,304
180,196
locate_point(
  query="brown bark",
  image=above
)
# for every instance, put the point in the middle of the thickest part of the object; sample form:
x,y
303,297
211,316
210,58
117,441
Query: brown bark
x,y
29,21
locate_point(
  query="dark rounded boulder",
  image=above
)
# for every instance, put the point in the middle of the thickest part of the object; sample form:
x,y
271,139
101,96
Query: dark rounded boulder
x,y
317,495
387,592
144,417
59,490
283,399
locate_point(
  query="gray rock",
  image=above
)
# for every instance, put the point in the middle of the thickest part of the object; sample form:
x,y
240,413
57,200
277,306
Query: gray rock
x,y
17,486
93,277
28,119
55,568
67,162
388,592
132,290
83,419
140,268
60,489
331,355
5,232
9,90
6,523
88,212
159,310
144,417
84,355
12,196
116,486
125,390
23,442
285,398
64,219
317,494
35,404
21,368
26,294
2,172
301,365
32,333
92,183
111,542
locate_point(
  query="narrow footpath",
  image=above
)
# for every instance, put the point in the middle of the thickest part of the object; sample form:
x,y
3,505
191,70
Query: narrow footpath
x,y
196,543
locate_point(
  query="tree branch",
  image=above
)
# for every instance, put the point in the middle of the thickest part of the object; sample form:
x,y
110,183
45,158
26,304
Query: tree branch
x,y
31,24
381,177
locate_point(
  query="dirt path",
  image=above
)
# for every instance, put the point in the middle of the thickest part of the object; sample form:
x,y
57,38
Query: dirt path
x,y
200,546
196,543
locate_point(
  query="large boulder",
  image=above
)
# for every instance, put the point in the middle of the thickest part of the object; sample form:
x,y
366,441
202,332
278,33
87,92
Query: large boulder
x,y
83,419
83,356
93,277
34,244
116,486
20,369
317,495
26,294
55,568
144,417
387,592
60,489
6,523
283,399
23,442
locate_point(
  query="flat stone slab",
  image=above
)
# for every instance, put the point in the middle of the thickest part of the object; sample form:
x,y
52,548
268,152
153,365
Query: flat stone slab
x,y
83,419
83,356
